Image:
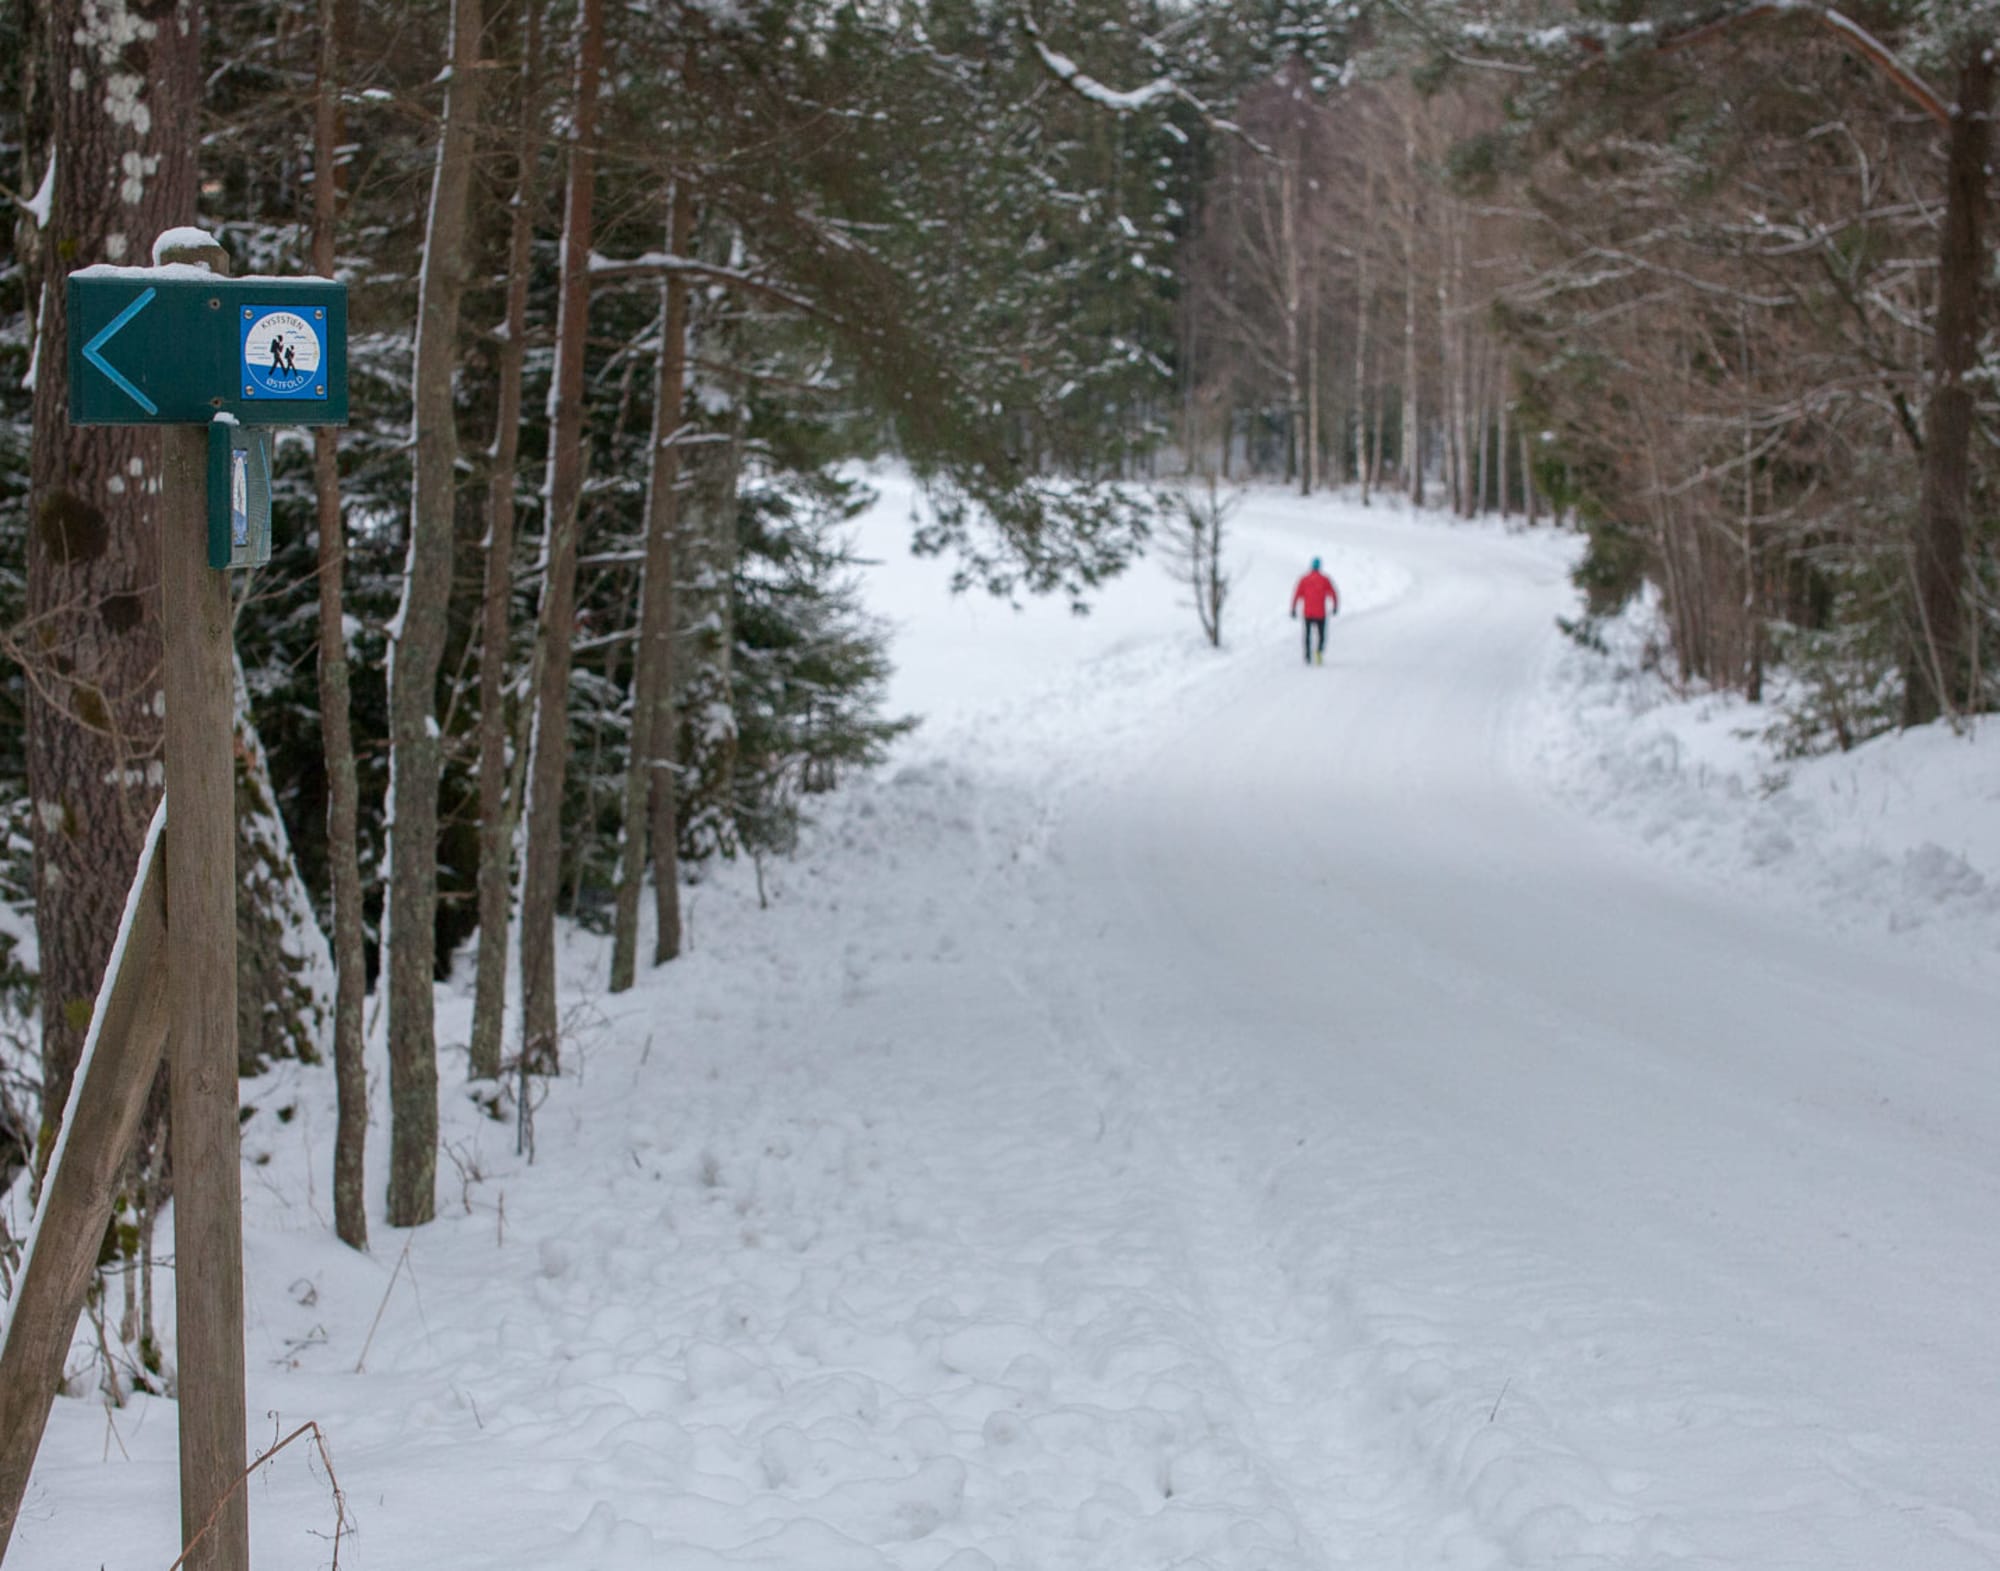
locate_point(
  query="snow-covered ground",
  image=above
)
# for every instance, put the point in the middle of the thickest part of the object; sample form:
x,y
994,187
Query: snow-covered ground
x,y
1191,1110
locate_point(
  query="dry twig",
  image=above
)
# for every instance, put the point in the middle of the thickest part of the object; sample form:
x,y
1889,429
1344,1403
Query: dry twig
x,y
340,1522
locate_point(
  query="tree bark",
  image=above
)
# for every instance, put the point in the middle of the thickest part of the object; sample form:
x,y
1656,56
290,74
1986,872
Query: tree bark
x,y
1380,415
549,742
1936,666
1363,246
650,807
418,645
343,797
1413,447
1478,432
1311,478
1451,388
126,171
497,803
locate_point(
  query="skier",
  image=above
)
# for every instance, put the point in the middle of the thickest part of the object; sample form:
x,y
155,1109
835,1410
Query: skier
x,y
1320,599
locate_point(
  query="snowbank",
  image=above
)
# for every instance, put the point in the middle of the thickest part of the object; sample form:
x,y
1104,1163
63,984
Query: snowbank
x,y
1901,834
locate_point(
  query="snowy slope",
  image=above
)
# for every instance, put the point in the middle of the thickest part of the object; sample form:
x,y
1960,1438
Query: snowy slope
x,y
1189,1111
1902,834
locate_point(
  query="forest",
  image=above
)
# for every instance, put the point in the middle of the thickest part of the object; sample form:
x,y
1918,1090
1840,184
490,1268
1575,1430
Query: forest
x,y
567,615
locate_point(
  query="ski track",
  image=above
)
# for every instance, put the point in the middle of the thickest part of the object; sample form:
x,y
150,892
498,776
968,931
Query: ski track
x,y
1189,1112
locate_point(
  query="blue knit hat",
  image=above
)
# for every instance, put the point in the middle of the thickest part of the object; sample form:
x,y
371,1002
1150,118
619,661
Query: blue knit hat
x,y
1315,564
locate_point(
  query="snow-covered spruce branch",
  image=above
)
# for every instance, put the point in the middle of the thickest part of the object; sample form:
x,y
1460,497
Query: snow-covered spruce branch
x,y
1163,89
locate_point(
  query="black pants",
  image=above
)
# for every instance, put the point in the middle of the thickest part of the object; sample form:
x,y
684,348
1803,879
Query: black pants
x,y
1315,625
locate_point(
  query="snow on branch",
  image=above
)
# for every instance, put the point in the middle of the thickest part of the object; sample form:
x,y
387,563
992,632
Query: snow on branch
x,y
656,264
1072,76
1130,101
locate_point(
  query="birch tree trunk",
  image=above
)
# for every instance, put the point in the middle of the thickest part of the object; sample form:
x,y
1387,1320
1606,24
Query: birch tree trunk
x,y
417,645
496,801
549,740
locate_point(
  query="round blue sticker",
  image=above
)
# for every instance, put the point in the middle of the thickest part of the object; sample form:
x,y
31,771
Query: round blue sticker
x,y
282,352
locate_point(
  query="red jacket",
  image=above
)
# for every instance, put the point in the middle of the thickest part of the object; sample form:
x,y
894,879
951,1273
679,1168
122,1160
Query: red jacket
x,y
1317,594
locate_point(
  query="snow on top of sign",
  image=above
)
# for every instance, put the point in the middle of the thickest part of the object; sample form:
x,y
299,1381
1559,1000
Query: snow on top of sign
x,y
187,271
182,270
185,238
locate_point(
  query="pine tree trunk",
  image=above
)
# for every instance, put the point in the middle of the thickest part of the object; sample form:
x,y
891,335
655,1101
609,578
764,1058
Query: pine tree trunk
x,y
497,802
343,856
1381,418
1481,429
1936,665
1449,372
1529,500
417,646
126,171
549,740
1502,450
650,808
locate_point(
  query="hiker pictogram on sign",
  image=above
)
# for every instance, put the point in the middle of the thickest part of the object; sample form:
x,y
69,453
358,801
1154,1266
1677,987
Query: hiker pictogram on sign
x,y
282,351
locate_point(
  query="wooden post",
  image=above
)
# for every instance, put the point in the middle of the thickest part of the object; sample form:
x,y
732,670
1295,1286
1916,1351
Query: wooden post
x,y
127,1030
201,1002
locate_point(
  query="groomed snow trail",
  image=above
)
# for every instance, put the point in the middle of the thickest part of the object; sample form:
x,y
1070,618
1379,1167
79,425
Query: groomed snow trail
x,y
1556,1212
1190,1111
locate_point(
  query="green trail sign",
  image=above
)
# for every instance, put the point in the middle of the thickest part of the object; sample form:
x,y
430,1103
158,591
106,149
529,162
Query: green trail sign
x,y
178,345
